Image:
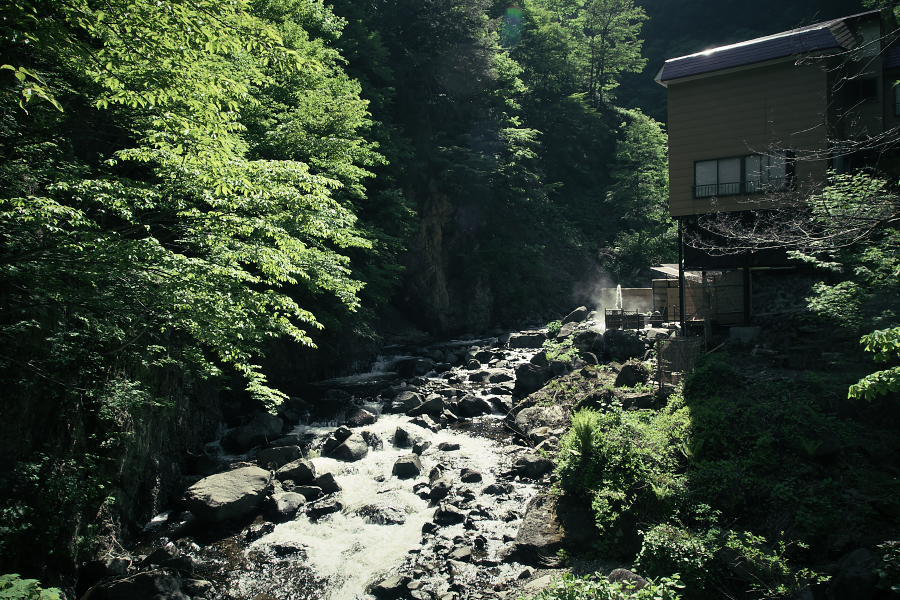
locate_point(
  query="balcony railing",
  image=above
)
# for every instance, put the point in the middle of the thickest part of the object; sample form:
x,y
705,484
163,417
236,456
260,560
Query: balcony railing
x,y
736,188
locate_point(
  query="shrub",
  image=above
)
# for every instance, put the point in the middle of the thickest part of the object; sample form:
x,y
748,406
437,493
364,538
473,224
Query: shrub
x,y
625,463
669,548
563,350
12,587
599,588
553,327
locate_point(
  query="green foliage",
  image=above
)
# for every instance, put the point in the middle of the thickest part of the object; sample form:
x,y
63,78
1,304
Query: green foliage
x,y
570,587
12,587
640,194
885,345
553,327
626,463
563,349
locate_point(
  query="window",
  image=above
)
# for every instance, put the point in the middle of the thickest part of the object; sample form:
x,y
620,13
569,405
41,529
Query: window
x,y
751,174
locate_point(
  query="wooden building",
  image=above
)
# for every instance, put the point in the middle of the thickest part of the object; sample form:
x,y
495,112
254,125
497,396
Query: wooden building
x,y
754,121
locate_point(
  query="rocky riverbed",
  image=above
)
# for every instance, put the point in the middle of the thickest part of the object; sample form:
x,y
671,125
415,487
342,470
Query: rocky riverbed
x,y
426,477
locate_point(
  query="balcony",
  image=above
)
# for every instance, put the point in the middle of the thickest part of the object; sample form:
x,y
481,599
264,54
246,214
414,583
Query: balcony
x,y
737,188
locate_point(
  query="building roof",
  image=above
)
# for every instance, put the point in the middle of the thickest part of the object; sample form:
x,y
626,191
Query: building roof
x,y
820,36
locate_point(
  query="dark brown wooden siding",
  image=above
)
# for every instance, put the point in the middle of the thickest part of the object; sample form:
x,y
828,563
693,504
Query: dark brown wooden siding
x,y
744,112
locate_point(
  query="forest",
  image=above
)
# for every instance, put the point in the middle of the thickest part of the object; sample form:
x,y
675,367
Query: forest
x,y
208,205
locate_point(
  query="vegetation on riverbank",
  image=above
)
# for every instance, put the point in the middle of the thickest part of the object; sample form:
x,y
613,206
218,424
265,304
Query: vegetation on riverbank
x,y
750,483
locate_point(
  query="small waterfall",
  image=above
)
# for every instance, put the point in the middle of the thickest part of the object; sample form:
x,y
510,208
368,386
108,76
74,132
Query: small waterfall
x,y
619,297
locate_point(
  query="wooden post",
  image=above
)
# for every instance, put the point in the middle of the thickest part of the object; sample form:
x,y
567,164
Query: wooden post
x,y
681,278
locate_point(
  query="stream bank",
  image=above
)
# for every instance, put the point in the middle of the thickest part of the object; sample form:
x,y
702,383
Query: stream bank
x,y
426,477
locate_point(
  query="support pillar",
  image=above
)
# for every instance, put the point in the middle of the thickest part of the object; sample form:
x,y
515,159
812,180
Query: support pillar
x,y
681,279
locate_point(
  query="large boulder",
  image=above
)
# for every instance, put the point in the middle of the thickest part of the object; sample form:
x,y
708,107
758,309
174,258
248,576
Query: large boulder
x,y
260,430
407,466
360,418
351,449
300,471
473,406
527,340
231,495
405,401
327,483
632,373
540,534
533,417
551,523
567,330
622,344
284,506
392,588
335,438
576,316
532,466
433,407
381,514
530,378
589,340
273,458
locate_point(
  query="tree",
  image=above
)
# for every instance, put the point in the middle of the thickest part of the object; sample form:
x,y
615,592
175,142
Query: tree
x,y
640,194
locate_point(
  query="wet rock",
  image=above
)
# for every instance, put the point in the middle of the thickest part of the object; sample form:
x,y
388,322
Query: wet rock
x,y
300,471
632,373
425,422
631,580
448,446
440,489
501,390
420,446
352,449
291,439
576,316
497,489
407,466
461,554
273,458
336,438
94,570
566,331
433,407
323,507
448,514
262,428
310,492
530,378
360,418
405,401
527,340
284,506
157,584
373,440
473,406
472,364
540,359
402,438
168,557
533,417
622,344
468,475
532,466
381,514
411,367
231,495
327,483
392,588
540,535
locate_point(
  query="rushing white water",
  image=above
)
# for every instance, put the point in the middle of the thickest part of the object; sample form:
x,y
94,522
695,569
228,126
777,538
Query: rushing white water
x,y
351,551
